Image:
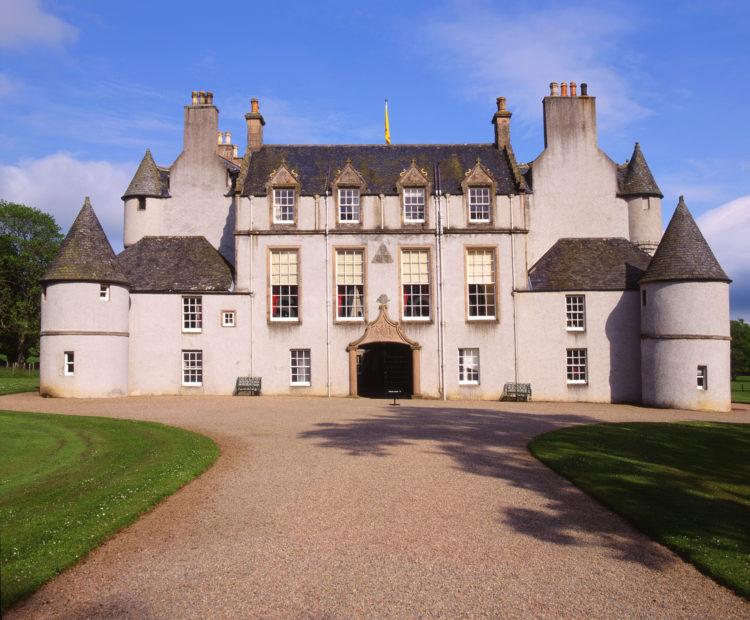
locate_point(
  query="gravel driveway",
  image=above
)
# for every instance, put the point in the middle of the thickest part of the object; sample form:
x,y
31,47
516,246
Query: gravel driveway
x,y
351,508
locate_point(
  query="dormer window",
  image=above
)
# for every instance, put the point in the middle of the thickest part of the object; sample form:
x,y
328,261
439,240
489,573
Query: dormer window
x,y
283,206
479,204
414,202
349,205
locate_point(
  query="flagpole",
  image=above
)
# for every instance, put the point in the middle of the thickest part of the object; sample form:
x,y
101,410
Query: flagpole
x,y
387,125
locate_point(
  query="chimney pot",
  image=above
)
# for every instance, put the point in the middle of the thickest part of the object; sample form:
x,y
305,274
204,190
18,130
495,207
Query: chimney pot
x,y
584,89
234,151
194,97
554,89
501,104
564,89
221,137
228,137
572,89
254,106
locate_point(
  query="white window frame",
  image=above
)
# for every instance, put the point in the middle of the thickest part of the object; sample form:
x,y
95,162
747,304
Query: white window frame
x,y
702,377
480,197
104,292
288,292
192,314
300,361
69,363
575,359
415,291
228,318
350,199
468,366
493,296
575,313
414,198
361,287
192,364
282,207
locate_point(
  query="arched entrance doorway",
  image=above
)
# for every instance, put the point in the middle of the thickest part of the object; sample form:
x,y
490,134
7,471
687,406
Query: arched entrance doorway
x,y
384,359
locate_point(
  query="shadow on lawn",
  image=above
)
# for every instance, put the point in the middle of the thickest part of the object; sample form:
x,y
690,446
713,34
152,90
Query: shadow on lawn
x,y
488,442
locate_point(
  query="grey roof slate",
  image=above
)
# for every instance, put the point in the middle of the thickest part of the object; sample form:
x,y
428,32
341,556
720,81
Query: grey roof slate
x,y
175,264
635,177
85,254
149,179
589,264
381,165
683,253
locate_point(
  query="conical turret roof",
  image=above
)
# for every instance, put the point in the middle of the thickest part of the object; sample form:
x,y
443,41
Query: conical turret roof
x,y
637,179
85,254
147,180
683,253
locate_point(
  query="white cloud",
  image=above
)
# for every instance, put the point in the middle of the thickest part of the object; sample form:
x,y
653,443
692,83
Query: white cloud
x,y
25,24
726,229
495,51
58,183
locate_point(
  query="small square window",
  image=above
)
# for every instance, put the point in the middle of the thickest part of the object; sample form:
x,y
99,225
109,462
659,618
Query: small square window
x,y
702,377
69,363
577,366
104,292
300,367
575,312
228,318
468,366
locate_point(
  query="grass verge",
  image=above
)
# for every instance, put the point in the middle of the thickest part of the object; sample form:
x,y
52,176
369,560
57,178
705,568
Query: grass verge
x,y
14,381
67,483
687,485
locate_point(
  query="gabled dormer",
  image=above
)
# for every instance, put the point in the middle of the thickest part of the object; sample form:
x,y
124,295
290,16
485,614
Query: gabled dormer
x,y
414,187
283,189
348,187
478,188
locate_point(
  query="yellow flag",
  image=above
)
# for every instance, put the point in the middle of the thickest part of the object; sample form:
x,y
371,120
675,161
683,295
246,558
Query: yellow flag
x,y
387,125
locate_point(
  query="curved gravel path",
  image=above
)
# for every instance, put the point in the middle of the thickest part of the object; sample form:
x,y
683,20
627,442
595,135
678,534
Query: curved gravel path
x,y
342,508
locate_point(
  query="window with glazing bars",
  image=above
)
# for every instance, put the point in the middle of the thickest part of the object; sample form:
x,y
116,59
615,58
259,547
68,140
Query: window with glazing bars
x,y
479,204
300,367
284,285
348,205
468,366
702,377
414,204
575,312
415,283
350,285
283,206
577,366
192,368
480,280
192,314
69,365
104,292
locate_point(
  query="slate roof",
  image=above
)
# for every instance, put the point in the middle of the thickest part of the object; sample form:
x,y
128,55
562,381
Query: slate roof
x,y
589,264
683,253
635,177
381,165
149,180
175,264
85,254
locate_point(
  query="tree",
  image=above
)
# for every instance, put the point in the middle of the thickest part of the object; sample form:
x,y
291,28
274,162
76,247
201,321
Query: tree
x,y
29,241
740,333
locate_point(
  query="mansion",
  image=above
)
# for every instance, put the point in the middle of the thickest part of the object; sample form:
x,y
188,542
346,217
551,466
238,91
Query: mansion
x,y
430,270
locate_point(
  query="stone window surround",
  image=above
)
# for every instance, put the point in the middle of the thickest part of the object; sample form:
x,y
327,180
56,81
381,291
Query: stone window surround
x,y
269,291
479,176
283,178
481,319
348,178
335,305
428,249
413,177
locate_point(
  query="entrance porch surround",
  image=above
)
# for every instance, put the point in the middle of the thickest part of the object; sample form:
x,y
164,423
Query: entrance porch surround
x,y
384,329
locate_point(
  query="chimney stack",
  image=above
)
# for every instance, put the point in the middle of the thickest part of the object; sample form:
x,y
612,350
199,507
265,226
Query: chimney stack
x,y
201,123
501,121
255,124
569,120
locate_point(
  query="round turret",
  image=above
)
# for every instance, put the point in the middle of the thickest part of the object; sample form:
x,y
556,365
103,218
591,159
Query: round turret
x,y
685,322
142,201
85,316
640,191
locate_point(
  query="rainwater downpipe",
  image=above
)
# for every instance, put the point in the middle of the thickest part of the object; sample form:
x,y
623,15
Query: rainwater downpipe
x,y
513,292
328,299
250,286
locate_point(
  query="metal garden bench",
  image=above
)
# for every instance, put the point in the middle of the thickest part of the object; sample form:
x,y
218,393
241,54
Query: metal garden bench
x,y
516,391
247,385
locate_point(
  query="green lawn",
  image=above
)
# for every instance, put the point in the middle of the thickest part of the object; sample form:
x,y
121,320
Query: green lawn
x,y
741,389
67,483
687,485
12,381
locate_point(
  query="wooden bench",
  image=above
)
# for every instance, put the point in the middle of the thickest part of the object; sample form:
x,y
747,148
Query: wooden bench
x,y
516,392
247,385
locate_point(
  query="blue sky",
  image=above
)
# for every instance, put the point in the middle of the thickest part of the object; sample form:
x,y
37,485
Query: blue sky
x,y
85,87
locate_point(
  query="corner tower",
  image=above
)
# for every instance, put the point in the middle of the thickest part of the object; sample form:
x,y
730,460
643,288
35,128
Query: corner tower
x,y
142,198
685,322
639,189
85,308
